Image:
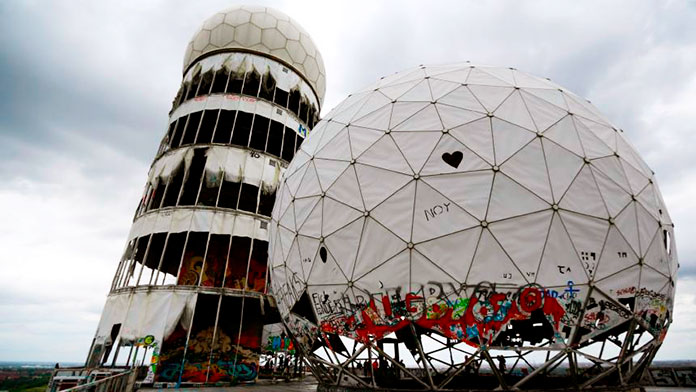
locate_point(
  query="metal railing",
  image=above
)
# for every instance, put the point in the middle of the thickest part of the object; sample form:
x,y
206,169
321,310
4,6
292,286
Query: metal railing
x,y
120,382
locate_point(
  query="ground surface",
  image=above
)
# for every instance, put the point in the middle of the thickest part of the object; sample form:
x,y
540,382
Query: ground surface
x,y
310,385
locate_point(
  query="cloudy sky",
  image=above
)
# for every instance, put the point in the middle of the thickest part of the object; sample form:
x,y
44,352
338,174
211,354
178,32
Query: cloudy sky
x,y
88,86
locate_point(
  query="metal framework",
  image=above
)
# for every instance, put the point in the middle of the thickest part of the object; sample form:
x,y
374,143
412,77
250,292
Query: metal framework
x,y
436,362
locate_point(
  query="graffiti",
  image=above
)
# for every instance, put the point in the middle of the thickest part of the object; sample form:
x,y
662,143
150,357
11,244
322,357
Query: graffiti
x,y
196,372
303,331
477,319
241,98
562,269
211,355
436,210
147,341
277,343
453,159
570,291
302,130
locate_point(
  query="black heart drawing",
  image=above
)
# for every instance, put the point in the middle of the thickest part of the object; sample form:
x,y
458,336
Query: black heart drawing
x,y
453,159
322,254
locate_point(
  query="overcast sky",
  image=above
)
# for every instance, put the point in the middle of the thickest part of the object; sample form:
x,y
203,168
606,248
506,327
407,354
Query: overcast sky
x,y
87,87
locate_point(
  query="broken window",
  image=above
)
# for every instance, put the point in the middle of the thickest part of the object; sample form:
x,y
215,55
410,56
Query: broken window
x,y
288,144
234,86
268,84
215,260
136,258
275,138
256,278
298,141
156,197
172,254
303,111
206,82
175,140
259,132
229,194
266,200
192,263
179,96
173,188
242,128
151,258
252,83
223,130
281,97
294,101
248,198
220,82
235,275
124,265
205,132
194,176
191,128
209,190
191,93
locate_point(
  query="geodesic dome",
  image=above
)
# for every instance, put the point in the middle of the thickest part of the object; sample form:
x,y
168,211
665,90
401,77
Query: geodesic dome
x,y
264,30
485,209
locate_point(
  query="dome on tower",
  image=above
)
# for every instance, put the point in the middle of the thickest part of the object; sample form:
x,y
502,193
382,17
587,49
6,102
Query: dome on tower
x,y
263,30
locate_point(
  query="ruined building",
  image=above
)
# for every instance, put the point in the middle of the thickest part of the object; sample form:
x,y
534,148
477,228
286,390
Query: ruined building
x,y
190,294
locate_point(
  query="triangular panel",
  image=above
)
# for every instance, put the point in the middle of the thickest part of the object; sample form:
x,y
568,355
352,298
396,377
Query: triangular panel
x,y
508,139
378,184
468,190
478,136
528,167
457,264
583,196
523,239
395,213
510,199
435,215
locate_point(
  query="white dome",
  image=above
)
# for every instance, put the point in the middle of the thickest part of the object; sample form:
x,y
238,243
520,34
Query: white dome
x,y
264,30
440,179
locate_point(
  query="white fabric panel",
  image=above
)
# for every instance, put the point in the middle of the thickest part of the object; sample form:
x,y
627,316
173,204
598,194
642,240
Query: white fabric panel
x,y
243,62
154,313
181,220
163,167
244,226
222,223
234,163
253,170
163,222
187,219
202,220
241,103
114,312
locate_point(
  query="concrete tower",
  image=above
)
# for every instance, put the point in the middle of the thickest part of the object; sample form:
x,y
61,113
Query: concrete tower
x,y
190,294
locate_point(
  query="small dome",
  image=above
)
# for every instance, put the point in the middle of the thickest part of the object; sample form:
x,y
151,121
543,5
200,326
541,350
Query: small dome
x,y
264,30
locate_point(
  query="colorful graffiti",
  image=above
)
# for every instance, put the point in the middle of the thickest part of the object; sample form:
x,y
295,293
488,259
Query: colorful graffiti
x,y
213,350
477,319
236,363
277,343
